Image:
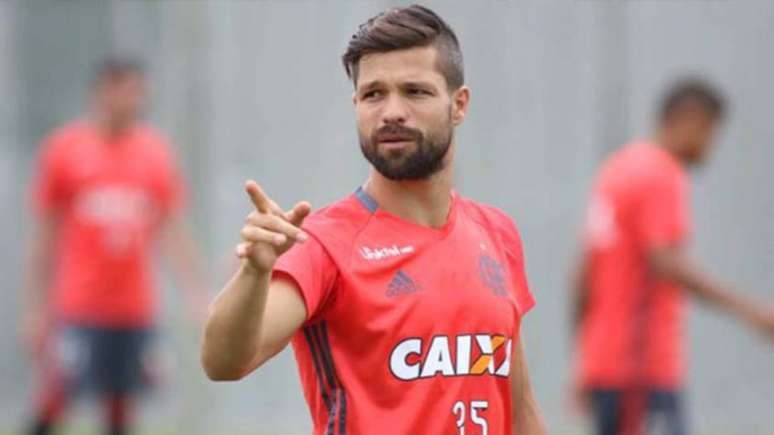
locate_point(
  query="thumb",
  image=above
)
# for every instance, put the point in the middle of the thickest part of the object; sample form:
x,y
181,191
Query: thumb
x,y
299,212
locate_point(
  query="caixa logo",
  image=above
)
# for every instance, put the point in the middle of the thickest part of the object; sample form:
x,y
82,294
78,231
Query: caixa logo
x,y
474,355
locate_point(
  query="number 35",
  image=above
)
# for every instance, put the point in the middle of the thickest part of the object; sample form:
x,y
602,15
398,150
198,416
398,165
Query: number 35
x,y
475,406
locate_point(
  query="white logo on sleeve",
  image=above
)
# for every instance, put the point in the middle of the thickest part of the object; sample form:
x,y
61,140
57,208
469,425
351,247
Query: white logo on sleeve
x,y
379,252
601,229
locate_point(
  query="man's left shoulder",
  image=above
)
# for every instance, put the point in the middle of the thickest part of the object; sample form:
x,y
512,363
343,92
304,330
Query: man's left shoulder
x,y
154,146
152,138
493,218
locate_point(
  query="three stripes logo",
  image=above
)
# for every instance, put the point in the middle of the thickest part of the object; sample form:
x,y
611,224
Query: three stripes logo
x,y
333,394
401,284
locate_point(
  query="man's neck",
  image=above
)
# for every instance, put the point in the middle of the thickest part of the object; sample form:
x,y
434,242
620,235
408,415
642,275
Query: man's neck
x,y
666,141
424,202
110,128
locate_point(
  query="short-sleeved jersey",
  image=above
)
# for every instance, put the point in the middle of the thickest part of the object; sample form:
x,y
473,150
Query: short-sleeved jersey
x,y
108,197
410,329
633,330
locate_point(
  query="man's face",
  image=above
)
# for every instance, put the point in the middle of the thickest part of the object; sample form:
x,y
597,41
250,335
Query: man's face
x,y
121,97
405,113
696,128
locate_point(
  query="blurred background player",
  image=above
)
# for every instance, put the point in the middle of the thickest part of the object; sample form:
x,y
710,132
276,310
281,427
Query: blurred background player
x,y
632,279
384,286
106,190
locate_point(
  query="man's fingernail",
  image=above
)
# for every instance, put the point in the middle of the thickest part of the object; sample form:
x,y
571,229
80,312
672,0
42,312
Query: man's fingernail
x,y
302,237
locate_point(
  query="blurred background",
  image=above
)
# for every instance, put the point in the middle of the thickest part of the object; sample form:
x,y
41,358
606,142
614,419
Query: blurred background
x,y
255,89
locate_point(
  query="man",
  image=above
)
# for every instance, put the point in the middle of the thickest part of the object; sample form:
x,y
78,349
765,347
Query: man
x,y
634,275
403,301
104,188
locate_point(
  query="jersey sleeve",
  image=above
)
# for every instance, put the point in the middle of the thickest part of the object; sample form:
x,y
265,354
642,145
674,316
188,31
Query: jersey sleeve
x,y
310,266
661,213
514,252
48,192
514,248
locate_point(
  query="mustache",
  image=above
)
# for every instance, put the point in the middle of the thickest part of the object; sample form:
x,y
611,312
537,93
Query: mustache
x,y
395,131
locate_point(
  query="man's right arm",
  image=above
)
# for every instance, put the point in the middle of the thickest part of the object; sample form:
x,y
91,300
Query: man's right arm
x,y
254,316
251,320
671,263
580,293
47,200
37,272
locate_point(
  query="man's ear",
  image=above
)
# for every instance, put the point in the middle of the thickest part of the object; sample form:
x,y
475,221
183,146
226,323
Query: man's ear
x,y
460,101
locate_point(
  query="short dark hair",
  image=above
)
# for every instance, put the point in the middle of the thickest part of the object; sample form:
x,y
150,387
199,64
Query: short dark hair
x,y
693,90
402,28
116,67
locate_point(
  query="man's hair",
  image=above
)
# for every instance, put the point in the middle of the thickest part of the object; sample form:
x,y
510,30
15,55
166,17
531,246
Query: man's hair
x,y
116,67
696,91
402,28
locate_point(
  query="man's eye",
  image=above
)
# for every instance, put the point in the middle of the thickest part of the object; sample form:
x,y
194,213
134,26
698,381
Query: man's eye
x,y
417,91
372,94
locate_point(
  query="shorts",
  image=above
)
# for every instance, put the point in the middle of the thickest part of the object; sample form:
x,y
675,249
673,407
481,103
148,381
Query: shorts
x,y
99,359
638,412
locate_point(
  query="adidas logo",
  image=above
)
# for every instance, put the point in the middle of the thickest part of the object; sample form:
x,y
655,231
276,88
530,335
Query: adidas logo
x,y
401,284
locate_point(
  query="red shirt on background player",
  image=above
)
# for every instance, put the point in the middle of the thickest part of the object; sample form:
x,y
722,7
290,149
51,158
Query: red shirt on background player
x,y
110,196
104,191
629,292
403,302
639,200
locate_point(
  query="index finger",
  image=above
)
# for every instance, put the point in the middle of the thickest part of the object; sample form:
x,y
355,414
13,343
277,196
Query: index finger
x,y
259,199
299,212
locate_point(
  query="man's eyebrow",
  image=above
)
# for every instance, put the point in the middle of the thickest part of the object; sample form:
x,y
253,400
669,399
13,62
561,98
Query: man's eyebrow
x,y
370,85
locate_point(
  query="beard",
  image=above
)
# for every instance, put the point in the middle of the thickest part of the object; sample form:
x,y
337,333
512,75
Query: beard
x,y
421,163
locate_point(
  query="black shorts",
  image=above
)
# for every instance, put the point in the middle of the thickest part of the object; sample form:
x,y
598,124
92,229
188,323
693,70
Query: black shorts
x,y
651,412
104,360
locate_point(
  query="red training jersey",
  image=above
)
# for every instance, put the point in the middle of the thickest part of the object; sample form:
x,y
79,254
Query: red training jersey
x,y
632,334
108,197
410,329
